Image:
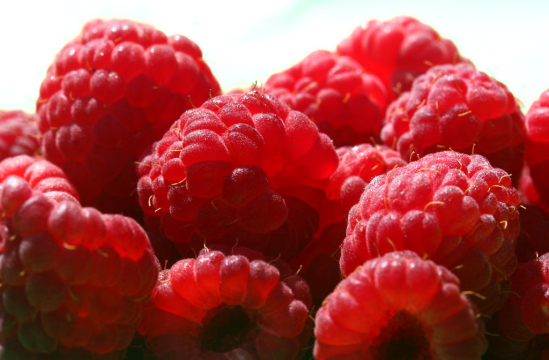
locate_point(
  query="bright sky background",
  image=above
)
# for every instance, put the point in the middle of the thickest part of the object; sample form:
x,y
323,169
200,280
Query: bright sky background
x,y
245,41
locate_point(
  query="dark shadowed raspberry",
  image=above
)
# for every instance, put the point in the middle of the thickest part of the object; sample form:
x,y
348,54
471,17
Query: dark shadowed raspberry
x,y
530,297
521,327
228,304
19,134
240,169
452,208
461,108
24,176
73,280
109,94
398,50
399,307
537,145
502,347
345,102
528,193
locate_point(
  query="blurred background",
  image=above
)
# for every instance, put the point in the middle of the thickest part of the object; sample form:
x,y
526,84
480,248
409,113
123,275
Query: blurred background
x,y
245,41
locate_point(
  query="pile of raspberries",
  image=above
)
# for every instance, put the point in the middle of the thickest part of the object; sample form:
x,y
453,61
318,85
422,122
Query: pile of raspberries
x,y
383,200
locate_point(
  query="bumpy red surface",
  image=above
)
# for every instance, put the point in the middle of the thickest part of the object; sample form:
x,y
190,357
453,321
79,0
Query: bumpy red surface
x,y
458,107
452,208
399,306
109,94
345,101
73,279
398,50
241,168
537,145
358,165
19,134
228,303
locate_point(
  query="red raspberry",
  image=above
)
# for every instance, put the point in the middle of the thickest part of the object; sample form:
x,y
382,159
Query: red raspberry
x,y
358,165
398,50
18,134
345,102
453,208
241,168
523,322
537,145
399,306
23,176
228,304
109,94
72,278
530,296
458,107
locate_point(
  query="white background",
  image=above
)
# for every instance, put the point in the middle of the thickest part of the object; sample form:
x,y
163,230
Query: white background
x,y
247,40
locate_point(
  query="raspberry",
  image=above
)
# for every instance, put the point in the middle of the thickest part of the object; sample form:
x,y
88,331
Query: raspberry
x,y
523,324
23,176
530,294
501,347
458,107
111,93
452,208
398,50
344,101
358,165
534,233
241,168
228,303
399,306
72,278
18,134
537,144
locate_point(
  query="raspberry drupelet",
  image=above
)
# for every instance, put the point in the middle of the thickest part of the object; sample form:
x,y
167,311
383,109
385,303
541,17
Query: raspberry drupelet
x,y
73,280
452,208
228,303
345,101
398,51
19,134
240,169
109,94
399,307
458,107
